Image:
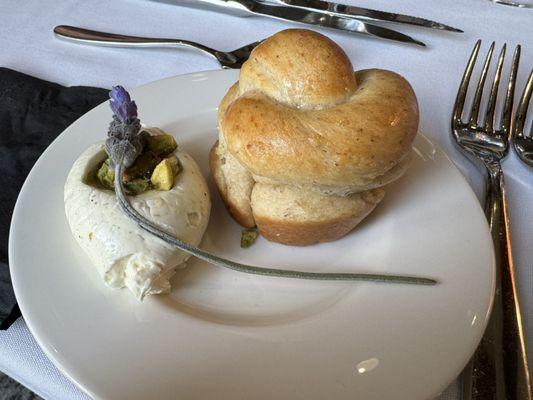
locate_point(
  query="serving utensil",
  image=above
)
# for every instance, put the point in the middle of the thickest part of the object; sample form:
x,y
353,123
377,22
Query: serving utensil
x,y
499,367
226,59
315,17
523,144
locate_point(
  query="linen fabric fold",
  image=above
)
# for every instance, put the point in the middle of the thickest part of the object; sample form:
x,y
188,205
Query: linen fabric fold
x,y
33,112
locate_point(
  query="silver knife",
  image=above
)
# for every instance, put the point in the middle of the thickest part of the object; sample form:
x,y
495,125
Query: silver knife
x,y
295,14
361,13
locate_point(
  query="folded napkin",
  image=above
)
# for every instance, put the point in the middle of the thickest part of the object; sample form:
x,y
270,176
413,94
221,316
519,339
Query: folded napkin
x,y
32,113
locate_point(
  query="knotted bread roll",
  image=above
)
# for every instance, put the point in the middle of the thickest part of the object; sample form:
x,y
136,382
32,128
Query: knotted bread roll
x,y
305,144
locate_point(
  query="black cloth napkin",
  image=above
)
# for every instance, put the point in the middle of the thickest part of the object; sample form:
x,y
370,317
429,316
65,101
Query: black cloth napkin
x,y
32,113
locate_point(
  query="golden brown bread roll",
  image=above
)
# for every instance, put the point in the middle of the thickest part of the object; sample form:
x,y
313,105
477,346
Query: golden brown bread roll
x,y
300,122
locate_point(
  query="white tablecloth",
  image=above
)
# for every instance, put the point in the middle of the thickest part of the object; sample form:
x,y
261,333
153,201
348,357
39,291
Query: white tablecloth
x,y
28,45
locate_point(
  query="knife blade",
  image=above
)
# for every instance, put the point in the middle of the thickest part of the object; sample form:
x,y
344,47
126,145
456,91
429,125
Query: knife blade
x,y
327,21
361,13
298,15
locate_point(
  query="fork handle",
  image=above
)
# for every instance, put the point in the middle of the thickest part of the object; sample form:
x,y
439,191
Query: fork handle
x,y
87,36
499,366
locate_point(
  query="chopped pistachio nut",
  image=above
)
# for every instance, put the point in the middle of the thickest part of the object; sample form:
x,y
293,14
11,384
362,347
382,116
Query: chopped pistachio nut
x,y
163,175
162,145
143,166
248,237
144,136
174,164
150,170
137,186
106,175
153,131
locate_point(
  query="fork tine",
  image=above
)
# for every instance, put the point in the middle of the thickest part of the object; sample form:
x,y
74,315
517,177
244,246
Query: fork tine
x,y
509,99
479,90
491,107
522,108
463,88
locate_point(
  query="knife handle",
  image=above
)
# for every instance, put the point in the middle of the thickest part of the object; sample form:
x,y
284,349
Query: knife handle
x,y
86,36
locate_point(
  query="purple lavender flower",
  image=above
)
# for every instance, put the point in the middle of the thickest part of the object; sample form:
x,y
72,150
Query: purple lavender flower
x,y
121,104
123,142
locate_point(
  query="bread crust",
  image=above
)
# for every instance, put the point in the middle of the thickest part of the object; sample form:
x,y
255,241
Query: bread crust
x,y
291,231
350,144
307,233
299,68
302,139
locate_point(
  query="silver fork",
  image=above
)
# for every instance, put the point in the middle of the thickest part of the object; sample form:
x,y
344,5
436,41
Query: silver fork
x,y
523,144
499,367
226,59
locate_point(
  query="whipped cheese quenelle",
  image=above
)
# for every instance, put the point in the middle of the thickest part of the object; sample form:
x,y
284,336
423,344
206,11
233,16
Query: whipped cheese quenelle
x,y
164,185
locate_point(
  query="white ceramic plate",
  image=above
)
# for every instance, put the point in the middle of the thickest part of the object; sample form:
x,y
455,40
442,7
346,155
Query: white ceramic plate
x,y
226,335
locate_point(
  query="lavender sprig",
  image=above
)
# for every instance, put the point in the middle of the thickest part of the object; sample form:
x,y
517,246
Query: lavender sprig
x,y
121,104
123,133
123,146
